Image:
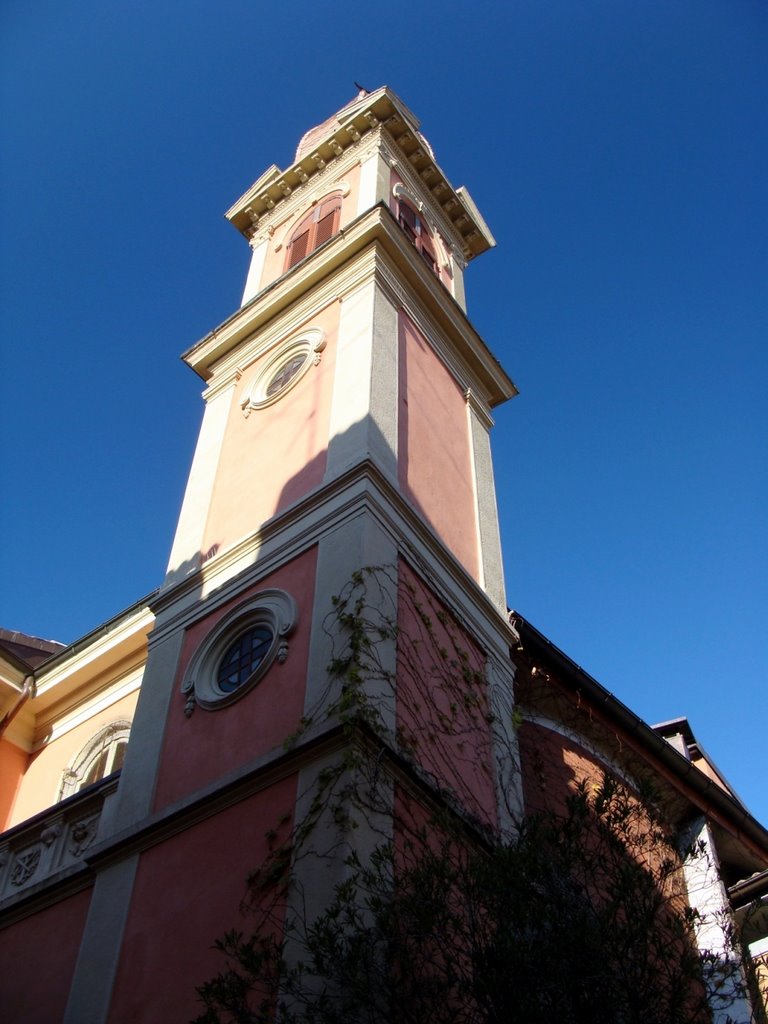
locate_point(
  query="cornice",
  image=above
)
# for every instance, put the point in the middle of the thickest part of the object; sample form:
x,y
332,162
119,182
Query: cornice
x,y
254,777
363,489
287,320
334,270
445,326
380,109
479,408
274,187
58,720
308,191
94,656
418,188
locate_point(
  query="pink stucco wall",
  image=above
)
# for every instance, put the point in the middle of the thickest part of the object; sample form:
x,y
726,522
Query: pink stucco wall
x,y
38,956
209,744
434,456
442,705
277,454
187,894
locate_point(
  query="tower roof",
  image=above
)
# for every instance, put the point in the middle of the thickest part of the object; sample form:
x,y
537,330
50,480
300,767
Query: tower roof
x,y
316,135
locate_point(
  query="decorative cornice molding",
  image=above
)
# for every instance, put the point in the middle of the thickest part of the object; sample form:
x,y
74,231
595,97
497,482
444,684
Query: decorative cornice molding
x,y
372,240
111,648
283,196
362,489
383,113
479,408
427,199
290,320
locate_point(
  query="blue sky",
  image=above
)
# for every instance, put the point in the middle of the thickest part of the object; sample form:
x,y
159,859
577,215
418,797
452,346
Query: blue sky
x,y
617,150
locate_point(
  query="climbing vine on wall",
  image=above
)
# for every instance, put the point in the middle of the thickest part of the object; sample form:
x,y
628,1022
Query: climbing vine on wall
x,y
400,895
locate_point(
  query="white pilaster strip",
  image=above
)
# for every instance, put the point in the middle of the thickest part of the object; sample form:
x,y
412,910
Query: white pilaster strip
x,y
186,552
93,980
358,543
374,182
707,895
491,565
135,794
505,747
90,994
255,271
363,420
321,865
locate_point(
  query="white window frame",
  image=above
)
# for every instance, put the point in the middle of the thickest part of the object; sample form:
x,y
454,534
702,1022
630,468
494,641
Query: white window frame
x,y
310,342
273,608
108,738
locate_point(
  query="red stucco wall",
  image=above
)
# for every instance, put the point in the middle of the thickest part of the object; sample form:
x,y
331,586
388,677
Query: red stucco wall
x,y
552,765
38,957
204,747
442,697
187,893
434,458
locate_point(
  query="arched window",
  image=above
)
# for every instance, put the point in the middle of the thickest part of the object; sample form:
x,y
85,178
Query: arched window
x,y
415,227
317,227
103,754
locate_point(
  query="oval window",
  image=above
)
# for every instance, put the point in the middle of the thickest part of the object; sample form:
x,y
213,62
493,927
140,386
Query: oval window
x,y
284,369
239,651
285,374
243,657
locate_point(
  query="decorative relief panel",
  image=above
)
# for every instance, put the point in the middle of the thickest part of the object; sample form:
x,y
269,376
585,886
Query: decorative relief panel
x,y
36,852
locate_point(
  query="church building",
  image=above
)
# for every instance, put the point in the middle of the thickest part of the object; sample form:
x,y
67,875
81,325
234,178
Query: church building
x,y
342,487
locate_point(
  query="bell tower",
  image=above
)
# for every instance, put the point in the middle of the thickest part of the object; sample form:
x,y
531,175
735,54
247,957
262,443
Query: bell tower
x,y
351,345
346,425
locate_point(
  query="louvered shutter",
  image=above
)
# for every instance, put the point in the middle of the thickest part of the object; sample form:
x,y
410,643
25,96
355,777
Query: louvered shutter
x,y
316,228
426,250
408,220
299,247
327,224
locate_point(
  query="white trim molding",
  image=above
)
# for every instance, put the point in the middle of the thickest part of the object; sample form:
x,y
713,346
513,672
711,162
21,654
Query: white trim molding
x,y
308,344
274,609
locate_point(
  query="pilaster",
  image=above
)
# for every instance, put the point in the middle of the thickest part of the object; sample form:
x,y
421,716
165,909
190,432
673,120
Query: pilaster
x,y
364,410
706,895
186,553
374,181
259,245
489,539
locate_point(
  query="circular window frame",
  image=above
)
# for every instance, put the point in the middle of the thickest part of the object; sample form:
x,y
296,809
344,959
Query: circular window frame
x,y
272,608
309,343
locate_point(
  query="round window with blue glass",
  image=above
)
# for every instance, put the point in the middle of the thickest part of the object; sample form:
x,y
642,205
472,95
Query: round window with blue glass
x,y
243,657
239,651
